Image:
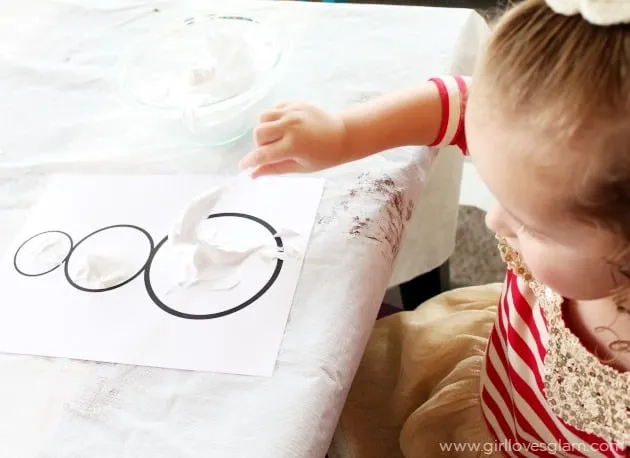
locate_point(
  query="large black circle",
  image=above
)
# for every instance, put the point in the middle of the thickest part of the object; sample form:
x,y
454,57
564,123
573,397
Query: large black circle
x,y
15,256
251,300
109,288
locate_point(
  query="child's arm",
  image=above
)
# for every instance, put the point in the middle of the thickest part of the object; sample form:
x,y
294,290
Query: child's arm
x,y
303,138
410,117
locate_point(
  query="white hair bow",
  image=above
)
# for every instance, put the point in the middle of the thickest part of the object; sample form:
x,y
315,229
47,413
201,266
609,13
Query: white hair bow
x,y
597,12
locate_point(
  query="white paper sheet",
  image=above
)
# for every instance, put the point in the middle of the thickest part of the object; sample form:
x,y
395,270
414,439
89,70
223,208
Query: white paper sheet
x,y
145,321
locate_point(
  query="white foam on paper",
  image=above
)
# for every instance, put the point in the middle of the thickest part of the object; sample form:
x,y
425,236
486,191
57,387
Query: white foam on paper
x,y
52,248
44,252
100,269
212,259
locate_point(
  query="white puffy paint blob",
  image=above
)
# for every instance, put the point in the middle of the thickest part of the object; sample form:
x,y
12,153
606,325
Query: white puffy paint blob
x,y
109,258
205,253
232,260
43,253
100,270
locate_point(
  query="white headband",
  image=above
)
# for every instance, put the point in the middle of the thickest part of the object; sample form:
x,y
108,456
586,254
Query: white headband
x,y
597,12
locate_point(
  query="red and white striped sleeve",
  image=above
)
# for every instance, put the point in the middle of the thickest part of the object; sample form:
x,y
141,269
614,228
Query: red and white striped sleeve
x,y
454,95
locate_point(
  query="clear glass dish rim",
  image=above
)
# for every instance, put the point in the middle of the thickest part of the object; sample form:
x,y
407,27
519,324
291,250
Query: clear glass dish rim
x,y
222,104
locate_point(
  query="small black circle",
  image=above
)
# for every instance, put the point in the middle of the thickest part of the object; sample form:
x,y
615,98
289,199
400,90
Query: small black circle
x,y
109,288
251,300
15,257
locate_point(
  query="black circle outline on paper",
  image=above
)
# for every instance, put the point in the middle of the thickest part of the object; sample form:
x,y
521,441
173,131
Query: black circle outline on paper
x,y
130,279
17,252
248,302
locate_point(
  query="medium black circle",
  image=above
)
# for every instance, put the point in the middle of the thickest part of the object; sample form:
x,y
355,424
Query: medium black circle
x,y
109,288
15,256
251,300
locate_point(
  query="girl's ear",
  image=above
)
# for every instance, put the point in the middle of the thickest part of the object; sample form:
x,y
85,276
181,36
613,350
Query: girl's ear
x,y
624,265
622,300
620,272
621,261
621,294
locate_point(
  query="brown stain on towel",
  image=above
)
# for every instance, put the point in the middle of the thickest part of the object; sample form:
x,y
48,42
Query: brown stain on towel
x,y
389,228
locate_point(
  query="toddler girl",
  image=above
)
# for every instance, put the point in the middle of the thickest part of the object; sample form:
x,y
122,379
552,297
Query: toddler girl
x,y
538,367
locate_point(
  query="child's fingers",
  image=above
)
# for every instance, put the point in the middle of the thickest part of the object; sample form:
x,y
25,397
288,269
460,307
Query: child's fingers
x,y
271,115
266,154
277,168
269,132
247,162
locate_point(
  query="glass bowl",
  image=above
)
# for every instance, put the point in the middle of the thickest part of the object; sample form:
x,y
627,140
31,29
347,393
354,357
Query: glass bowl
x,y
212,74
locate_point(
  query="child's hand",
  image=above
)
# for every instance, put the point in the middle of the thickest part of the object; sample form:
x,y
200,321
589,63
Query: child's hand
x,y
296,138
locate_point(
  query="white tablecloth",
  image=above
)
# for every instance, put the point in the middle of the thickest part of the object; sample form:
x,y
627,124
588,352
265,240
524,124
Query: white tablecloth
x,y
59,112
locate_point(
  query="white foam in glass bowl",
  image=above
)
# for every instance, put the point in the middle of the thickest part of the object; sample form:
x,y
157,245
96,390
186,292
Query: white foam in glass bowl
x,y
212,73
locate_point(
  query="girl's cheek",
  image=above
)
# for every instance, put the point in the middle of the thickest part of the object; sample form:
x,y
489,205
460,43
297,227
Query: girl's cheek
x,y
536,258
497,222
543,271
554,269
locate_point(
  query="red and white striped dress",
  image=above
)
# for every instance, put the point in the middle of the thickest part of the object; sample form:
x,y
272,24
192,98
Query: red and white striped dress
x,y
542,393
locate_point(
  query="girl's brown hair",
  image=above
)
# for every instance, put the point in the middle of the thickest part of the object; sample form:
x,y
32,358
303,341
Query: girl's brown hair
x,y
572,79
